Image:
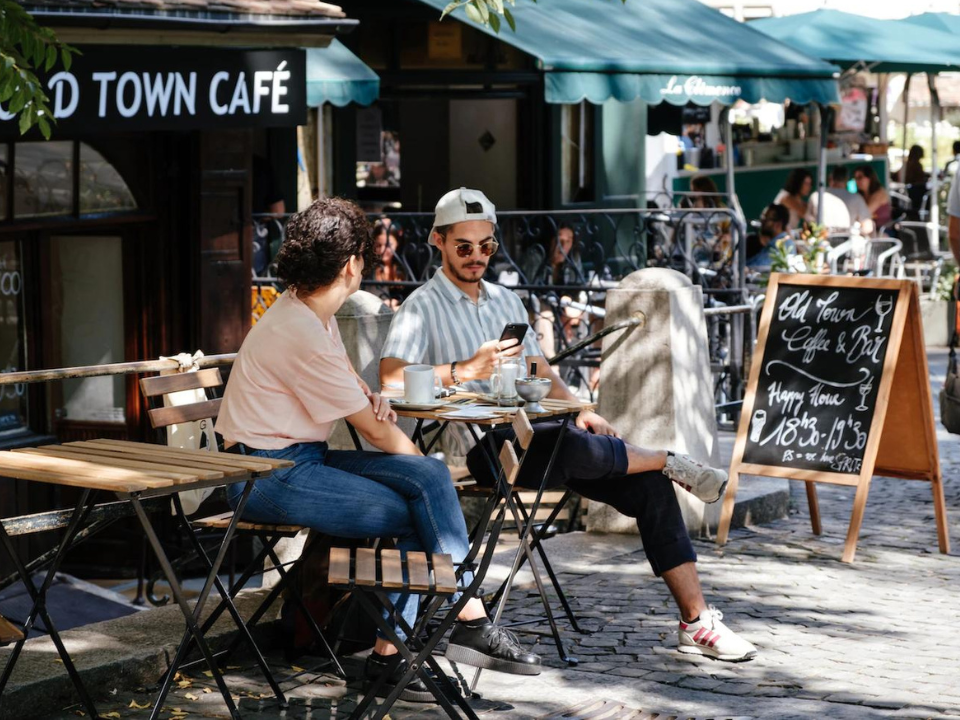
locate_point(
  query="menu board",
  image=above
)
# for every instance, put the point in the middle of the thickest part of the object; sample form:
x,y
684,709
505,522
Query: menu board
x,y
820,377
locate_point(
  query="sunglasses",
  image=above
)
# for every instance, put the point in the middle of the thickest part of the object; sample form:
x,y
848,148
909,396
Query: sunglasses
x,y
465,249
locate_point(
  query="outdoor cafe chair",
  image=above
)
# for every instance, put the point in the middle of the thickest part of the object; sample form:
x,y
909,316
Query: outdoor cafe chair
x,y
372,573
268,534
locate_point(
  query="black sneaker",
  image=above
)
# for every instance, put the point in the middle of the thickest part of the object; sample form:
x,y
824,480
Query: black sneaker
x,y
415,691
491,647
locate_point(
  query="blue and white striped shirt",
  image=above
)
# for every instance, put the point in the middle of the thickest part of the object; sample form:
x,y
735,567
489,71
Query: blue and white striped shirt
x,y
439,323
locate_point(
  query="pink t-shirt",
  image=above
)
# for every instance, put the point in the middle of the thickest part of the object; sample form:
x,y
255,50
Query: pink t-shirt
x,y
291,380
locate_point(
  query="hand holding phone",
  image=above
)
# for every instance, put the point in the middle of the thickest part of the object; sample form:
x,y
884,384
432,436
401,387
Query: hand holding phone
x,y
514,331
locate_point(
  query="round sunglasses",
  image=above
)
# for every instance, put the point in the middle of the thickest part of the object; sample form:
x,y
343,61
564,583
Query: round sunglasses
x,y
488,248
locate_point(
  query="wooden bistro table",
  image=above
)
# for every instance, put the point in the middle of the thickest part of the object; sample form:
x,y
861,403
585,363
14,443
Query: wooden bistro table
x,y
133,472
530,538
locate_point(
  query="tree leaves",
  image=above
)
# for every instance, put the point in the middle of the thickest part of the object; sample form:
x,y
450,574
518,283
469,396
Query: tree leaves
x,y
26,47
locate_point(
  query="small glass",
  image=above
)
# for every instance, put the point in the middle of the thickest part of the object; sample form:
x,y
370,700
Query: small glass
x,y
503,382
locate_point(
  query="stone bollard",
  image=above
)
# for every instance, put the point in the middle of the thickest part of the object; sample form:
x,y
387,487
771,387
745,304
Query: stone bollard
x,y
655,383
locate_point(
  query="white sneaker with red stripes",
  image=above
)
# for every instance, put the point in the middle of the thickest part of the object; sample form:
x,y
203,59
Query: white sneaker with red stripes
x,y
708,636
705,482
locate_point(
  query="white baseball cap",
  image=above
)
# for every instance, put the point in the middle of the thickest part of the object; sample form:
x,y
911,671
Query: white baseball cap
x,y
462,205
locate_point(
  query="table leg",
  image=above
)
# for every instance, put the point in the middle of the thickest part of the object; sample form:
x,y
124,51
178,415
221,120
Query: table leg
x,y
191,615
39,597
227,603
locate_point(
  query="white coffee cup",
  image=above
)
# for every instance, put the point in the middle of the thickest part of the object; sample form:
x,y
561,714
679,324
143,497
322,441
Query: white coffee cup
x,y
420,384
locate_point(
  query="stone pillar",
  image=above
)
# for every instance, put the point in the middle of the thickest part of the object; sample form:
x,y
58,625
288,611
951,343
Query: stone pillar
x,y
655,383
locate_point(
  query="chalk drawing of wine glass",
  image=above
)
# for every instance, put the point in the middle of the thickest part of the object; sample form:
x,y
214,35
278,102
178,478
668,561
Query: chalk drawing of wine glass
x,y
756,427
864,390
883,306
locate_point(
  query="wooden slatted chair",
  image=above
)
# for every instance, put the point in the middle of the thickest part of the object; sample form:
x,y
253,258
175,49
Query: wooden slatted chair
x,y
370,574
9,633
206,411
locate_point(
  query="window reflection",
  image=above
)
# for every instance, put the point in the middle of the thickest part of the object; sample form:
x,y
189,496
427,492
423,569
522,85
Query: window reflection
x,y
102,189
43,180
13,398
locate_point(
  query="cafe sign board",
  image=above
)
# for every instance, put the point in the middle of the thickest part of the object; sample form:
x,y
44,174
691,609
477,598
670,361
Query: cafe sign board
x,y
838,392
124,89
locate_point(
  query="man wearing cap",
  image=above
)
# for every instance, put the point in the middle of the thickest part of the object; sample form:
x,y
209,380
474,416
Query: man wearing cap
x,y
453,322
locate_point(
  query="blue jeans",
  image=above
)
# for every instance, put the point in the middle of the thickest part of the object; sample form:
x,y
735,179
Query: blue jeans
x,y
362,495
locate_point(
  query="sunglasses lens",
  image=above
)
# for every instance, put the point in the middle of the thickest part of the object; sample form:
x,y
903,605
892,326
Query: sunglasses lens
x,y
464,250
489,248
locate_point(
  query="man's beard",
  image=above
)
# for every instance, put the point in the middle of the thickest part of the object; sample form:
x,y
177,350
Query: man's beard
x,y
463,278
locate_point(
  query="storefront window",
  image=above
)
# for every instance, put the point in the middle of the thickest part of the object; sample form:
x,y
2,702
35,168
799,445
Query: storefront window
x,y
576,147
13,398
101,187
87,278
378,155
43,179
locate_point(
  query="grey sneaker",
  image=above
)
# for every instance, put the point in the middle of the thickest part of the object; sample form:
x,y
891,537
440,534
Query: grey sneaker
x,y
705,482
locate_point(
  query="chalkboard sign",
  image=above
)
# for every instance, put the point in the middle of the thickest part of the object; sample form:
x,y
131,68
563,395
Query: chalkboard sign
x,y
818,385
833,353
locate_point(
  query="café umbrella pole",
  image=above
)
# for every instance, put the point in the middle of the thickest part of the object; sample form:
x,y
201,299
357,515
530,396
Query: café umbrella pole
x,y
934,161
727,125
822,159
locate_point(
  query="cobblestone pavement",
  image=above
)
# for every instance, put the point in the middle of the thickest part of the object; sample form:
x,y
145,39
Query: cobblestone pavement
x,y
872,639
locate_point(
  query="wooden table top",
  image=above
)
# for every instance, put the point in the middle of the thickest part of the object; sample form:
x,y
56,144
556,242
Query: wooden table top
x,y
462,400
131,467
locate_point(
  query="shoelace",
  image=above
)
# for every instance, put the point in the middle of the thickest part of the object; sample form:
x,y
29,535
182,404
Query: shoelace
x,y
715,616
501,637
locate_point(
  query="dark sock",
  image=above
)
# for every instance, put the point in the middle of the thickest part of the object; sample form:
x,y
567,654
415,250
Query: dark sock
x,y
691,622
479,622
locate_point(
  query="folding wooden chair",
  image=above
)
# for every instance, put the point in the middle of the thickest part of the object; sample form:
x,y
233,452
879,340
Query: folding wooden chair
x,y
268,534
370,574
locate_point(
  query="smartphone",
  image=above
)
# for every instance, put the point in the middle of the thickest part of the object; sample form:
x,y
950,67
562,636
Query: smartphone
x,y
514,331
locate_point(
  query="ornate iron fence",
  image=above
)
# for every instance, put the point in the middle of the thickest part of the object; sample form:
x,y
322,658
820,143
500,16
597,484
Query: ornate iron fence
x,y
564,282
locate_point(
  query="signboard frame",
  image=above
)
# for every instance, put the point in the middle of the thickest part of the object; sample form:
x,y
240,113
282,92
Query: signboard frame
x,y
904,373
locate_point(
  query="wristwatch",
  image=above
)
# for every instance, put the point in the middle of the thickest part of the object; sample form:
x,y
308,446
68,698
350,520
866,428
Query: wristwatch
x,y
453,373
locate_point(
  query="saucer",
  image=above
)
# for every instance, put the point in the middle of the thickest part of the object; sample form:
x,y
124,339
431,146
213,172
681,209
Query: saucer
x,y
399,404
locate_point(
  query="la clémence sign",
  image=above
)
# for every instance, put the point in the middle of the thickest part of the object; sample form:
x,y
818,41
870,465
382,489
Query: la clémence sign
x,y
696,86
122,89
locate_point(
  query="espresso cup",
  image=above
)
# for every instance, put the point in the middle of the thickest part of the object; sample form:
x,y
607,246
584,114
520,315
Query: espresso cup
x,y
420,384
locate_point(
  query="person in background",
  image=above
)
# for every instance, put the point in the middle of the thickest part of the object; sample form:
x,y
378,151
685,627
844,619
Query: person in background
x,y
876,197
954,162
796,188
709,196
773,227
386,244
850,209
291,382
912,172
268,207
953,210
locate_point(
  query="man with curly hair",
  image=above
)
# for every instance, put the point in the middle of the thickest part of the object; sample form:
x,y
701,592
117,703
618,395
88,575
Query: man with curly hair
x,y
292,381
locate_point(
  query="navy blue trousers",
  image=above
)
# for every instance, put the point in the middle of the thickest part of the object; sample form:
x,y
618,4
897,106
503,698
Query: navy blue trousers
x,y
595,466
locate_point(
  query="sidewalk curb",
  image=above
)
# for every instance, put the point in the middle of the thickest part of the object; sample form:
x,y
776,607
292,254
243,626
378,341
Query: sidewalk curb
x,y
126,653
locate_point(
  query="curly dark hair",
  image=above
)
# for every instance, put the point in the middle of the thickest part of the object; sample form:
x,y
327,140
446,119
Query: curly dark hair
x,y
794,182
319,242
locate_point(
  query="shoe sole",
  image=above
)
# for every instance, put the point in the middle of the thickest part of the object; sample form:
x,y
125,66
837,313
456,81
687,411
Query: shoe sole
x,y
708,652
719,493
408,695
473,658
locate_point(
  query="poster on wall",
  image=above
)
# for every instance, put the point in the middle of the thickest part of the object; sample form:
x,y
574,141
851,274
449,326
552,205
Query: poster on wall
x,y
854,106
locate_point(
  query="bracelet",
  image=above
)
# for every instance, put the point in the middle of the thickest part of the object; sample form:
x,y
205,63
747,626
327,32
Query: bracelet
x,y
453,373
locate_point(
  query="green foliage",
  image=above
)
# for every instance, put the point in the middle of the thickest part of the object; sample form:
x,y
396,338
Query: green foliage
x,y
25,49
485,12
948,278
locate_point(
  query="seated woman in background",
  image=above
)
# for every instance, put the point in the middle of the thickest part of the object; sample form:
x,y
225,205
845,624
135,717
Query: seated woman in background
x,y
796,188
877,198
707,195
386,243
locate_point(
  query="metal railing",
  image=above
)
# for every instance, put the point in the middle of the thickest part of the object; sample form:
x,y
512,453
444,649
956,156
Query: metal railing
x,y
564,287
